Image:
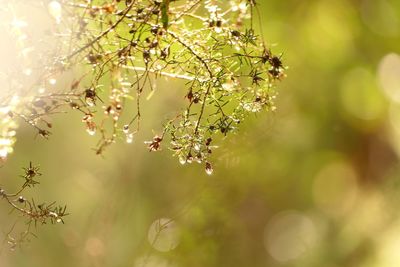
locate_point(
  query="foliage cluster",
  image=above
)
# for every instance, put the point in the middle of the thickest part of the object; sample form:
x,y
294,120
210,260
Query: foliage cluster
x,y
119,48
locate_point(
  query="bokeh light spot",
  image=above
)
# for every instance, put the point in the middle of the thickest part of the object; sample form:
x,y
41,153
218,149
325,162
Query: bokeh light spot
x,y
360,96
153,261
389,76
335,188
289,235
95,247
380,17
330,31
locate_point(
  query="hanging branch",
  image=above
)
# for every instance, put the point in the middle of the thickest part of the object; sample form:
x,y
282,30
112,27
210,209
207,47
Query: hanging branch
x,y
33,212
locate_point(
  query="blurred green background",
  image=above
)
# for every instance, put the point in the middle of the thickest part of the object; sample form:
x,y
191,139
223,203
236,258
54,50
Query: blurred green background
x,y
314,184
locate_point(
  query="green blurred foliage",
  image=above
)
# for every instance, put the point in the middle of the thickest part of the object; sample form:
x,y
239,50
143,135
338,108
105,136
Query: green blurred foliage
x,y
315,184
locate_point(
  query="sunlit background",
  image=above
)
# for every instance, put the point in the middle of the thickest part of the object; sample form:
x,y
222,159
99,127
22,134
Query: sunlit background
x,y
317,183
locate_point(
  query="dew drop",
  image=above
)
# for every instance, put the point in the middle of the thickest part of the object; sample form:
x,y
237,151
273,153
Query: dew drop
x,y
129,138
197,147
182,160
91,131
91,128
209,168
3,153
90,101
